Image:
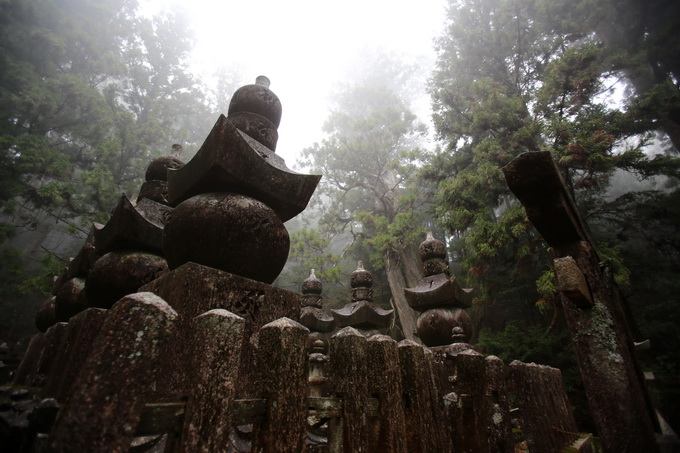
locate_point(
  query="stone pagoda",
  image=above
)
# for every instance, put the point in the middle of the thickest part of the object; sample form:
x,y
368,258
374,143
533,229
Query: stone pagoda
x,y
439,299
361,312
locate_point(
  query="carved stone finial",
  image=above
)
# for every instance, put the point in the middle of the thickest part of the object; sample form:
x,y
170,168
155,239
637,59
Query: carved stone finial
x,y
361,312
263,80
256,110
361,282
434,257
311,290
232,198
312,315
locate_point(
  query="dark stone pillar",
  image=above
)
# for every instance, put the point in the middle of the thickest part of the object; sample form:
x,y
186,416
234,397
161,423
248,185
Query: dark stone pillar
x,y
215,350
599,329
282,380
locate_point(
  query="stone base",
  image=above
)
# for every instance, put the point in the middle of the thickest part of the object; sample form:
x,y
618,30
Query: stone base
x,y
193,289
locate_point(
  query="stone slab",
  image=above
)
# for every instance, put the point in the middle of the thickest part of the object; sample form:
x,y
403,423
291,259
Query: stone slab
x,y
193,289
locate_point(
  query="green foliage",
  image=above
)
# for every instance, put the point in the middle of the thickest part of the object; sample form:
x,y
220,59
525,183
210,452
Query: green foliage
x,y
513,77
43,282
90,92
368,199
594,83
527,343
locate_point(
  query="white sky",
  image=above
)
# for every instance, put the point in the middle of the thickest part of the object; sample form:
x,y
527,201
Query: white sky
x,y
306,48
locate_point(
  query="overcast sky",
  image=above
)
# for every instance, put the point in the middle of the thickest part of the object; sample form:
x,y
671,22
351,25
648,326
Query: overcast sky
x,y
306,47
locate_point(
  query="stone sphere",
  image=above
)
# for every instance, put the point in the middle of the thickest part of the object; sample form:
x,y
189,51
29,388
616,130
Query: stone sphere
x,y
432,248
68,302
361,278
118,274
435,326
257,98
46,316
158,168
256,126
229,232
312,285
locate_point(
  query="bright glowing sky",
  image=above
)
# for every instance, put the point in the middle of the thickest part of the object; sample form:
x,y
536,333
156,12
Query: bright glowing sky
x,y
306,47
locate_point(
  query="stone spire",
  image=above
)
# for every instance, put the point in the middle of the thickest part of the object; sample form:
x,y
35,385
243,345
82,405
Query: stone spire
x,y
312,315
319,324
439,299
362,313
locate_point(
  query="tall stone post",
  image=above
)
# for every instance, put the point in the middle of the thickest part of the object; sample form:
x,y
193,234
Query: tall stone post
x,y
593,308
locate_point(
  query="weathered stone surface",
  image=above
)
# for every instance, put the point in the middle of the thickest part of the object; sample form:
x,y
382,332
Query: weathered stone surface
x,y
349,379
231,161
257,127
435,326
158,168
426,429
154,190
282,352
571,282
117,378
311,291
315,319
46,316
257,98
461,377
317,346
193,289
134,227
535,179
384,382
439,299
118,274
498,408
363,314
436,291
81,333
53,339
546,417
602,339
217,337
59,280
86,257
68,302
29,364
230,232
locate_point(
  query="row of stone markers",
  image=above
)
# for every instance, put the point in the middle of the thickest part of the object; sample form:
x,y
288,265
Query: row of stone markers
x,y
165,329
380,395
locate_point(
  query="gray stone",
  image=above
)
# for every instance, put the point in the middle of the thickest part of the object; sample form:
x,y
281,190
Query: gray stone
x,y
282,352
231,161
117,378
217,337
133,227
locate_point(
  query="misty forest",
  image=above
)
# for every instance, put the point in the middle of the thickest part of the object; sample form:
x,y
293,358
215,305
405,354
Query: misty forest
x,y
92,91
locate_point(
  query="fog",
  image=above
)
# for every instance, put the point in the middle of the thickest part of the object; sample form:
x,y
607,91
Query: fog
x,y
306,48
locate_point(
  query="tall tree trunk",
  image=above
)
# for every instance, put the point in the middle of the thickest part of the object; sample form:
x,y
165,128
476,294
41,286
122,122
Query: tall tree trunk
x,y
411,265
397,282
